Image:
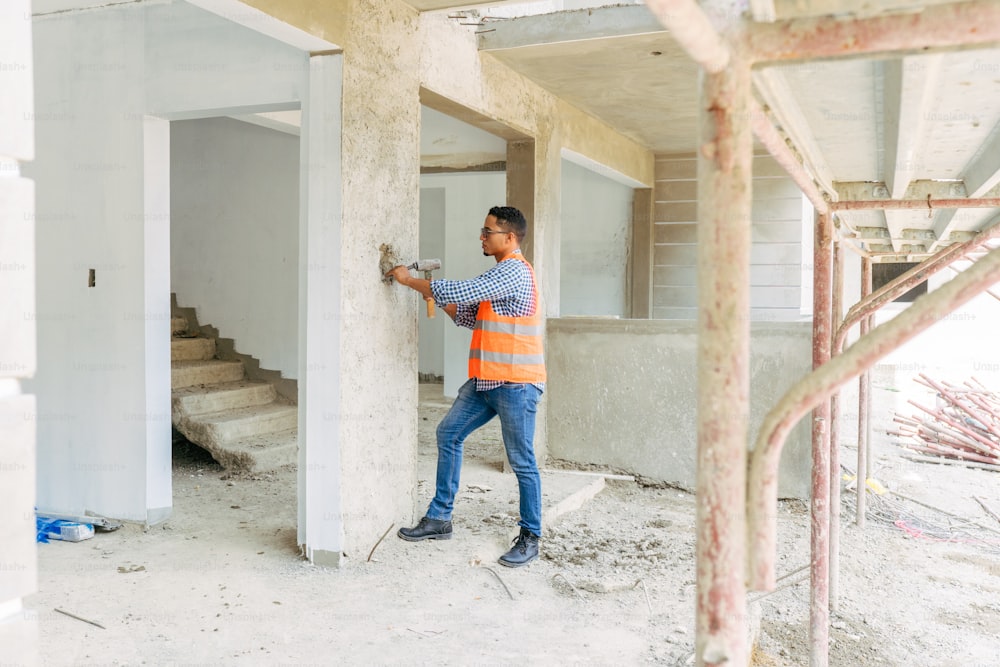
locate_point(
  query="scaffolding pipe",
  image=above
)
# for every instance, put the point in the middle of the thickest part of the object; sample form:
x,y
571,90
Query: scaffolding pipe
x,y
908,204
725,164
819,573
691,28
783,155
821,383
864,402
935,27
837,307
900,285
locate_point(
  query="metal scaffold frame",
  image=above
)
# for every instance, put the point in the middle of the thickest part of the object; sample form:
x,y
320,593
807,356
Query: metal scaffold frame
x,y
725,45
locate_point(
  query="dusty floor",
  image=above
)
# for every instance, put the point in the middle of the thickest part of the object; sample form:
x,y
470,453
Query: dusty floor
x,y
222,583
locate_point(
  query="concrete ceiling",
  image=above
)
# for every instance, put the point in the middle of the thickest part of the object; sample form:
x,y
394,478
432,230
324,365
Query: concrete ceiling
x,y
893,126
912,125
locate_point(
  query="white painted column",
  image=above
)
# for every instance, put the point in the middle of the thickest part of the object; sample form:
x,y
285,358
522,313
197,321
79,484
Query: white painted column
x,y
320,520
156,300
18,558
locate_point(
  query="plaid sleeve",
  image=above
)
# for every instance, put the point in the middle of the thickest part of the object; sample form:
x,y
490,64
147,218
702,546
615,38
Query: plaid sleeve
x,y
466,316
500,282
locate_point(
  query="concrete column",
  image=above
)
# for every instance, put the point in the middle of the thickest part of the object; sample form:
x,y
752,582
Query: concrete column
x,y
320,524
640,273
18,558
521,188
533,185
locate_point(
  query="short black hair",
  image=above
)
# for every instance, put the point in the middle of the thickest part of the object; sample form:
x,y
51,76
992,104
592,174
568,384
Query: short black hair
x,y
511,219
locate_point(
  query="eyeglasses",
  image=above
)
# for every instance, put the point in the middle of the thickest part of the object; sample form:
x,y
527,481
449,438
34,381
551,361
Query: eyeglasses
x,y
486,231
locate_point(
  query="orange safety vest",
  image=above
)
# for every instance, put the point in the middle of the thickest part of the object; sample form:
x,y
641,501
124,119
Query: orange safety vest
x,y
508,348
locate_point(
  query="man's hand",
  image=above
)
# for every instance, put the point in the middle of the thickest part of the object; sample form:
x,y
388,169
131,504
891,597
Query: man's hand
x,y
403,277
401,274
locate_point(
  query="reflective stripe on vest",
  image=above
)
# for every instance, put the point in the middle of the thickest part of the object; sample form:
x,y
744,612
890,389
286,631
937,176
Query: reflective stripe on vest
x,y
508,349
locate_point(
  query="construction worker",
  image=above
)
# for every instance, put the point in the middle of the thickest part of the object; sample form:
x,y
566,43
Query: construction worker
x,y
506,377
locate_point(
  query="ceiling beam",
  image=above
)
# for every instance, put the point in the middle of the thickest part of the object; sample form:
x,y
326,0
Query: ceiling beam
x,y
863,191
772,86
570,26
908,87
962,25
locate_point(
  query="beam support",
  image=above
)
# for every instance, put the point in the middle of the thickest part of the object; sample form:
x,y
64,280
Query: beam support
x,y
819,612
934,28
866,306
821,383
724,206
864,401
837,307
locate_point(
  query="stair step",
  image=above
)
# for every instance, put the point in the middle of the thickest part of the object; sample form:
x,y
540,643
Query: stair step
x,y
212,371
192,349
178,325
259,453
196,400
214,429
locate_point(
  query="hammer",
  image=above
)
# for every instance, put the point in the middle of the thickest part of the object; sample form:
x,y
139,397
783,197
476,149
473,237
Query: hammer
x,y
426,265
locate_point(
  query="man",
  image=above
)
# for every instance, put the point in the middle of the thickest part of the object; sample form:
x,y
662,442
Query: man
x,y
506,377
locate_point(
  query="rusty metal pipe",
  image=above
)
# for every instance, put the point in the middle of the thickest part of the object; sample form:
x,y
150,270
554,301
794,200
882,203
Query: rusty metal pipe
x,y
864,401
725,165
837,306
908,204
819,590
691,27
783,155
818,385
935,27
916,275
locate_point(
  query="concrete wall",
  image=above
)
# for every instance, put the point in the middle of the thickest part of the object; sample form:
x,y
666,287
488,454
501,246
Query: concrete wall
x,y
596,234
622,394
776,256
378,349
18,551
234,201
392,60
103,203
98,345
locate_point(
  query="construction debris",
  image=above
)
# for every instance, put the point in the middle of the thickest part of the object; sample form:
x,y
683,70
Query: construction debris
x,y
964,425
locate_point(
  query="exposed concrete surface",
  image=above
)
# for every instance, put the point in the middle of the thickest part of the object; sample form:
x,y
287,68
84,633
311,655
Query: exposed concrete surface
x,y
621,393
377,411
223,582
245,425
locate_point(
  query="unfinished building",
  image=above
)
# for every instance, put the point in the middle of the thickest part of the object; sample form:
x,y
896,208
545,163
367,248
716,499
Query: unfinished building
x,y
708,187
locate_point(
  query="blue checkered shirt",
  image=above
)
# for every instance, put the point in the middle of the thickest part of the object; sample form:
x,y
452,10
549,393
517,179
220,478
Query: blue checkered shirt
x,y
507,286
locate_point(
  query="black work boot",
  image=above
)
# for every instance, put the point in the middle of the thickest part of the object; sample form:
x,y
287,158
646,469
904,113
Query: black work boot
x,y
524,551
427,529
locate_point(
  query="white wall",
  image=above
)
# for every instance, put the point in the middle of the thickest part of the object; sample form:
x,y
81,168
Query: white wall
x,y
234,234
779,255
597,214
94,402
18,549
103,380
431,330
468,198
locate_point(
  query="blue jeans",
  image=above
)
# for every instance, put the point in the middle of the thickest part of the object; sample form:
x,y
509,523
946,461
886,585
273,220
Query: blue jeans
x,y
516,405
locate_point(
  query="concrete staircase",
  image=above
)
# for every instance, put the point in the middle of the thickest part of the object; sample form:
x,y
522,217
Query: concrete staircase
x,y
245,425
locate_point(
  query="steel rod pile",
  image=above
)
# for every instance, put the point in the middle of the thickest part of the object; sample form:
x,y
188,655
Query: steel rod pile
x,y
964,424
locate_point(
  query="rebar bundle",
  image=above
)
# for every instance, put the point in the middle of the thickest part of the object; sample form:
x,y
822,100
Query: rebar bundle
x,y
964,424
